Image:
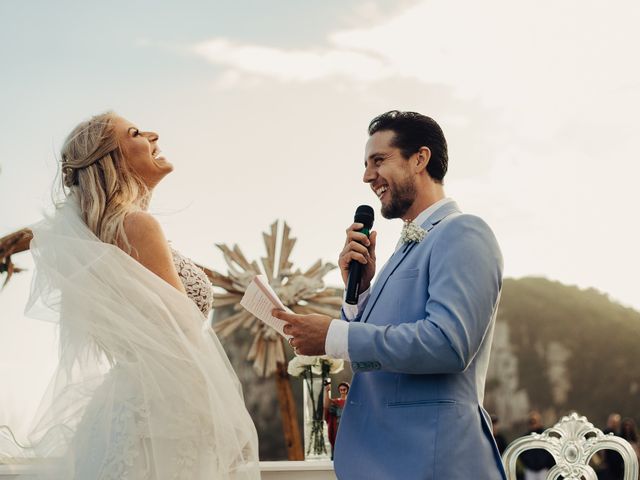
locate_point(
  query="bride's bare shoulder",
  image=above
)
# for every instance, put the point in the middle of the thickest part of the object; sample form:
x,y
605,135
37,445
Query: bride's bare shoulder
x,y
141,224
149,246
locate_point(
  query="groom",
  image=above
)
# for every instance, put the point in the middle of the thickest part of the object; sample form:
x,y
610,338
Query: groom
x,y
419,338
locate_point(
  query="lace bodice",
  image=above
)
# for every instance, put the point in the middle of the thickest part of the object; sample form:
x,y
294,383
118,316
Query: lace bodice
x,y
195,282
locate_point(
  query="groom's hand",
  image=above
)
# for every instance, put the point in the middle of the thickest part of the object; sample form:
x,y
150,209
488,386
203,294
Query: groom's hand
x,y
360,248
308,332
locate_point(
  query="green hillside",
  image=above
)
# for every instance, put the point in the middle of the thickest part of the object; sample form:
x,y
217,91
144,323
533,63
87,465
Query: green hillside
x,y
598,341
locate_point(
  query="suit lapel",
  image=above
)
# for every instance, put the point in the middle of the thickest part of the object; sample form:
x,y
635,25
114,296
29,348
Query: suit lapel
x,y
391,266
402,252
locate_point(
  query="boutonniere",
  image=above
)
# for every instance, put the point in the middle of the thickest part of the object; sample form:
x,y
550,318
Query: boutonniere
x,y
412,233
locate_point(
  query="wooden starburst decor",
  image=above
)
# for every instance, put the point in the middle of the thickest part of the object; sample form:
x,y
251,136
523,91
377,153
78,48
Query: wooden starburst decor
x,y
302,292
9,245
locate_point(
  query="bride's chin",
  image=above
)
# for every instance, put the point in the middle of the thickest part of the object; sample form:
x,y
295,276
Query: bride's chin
x,y
163,164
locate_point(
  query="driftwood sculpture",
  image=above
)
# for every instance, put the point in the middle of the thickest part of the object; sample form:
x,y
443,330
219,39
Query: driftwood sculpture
x,y
302,292
11,244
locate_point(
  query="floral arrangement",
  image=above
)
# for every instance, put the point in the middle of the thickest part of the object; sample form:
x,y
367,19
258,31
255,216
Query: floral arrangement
x,y
315,368
301,364
412,232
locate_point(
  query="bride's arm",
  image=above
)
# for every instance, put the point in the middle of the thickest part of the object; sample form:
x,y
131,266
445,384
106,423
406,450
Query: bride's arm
x,y
150,247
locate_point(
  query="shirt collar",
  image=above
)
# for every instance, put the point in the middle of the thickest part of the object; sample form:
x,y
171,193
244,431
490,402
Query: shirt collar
x,y
422,216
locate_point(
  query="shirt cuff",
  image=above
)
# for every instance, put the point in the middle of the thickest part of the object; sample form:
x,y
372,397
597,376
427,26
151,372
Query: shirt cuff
x,y
351,311
337,342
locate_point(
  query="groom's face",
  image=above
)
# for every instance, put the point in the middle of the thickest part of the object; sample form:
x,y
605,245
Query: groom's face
x,y
388,174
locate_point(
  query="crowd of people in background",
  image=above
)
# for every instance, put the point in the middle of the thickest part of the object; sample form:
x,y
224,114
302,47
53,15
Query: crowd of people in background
x,y
612,464
535,464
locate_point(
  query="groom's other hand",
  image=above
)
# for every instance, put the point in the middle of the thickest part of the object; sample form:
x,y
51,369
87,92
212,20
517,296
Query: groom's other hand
x,y
308,332
360,248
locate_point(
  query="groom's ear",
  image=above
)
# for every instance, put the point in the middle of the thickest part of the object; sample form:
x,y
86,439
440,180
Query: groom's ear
x,y
422,158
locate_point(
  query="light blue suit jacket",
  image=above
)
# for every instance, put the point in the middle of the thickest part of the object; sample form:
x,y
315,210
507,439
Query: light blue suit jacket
x,y
420,350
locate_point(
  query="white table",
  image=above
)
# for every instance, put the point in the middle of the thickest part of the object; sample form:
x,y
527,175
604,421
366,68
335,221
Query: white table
x,y
282,470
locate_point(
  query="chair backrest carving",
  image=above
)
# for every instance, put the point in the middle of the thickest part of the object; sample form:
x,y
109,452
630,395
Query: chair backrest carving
x,y
572,442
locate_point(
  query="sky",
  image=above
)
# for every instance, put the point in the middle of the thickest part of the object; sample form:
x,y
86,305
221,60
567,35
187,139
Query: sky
x,y
262,106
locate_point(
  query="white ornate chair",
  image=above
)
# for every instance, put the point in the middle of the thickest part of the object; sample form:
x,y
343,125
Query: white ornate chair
x,y
572,442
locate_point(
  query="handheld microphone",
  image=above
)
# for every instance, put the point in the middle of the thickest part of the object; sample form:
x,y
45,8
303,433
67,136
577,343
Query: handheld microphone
x,y
364,215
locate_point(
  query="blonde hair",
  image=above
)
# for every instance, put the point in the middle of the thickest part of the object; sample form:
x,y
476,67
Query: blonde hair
x,y
95,174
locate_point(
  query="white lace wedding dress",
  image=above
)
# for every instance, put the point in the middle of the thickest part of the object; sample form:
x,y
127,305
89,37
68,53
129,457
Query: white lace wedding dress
x,y
144,389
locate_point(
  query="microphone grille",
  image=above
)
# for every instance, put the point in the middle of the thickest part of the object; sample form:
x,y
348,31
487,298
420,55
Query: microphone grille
x,y
364,215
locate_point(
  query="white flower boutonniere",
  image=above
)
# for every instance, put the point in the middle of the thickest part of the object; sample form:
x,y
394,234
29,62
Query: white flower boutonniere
x,y
412,233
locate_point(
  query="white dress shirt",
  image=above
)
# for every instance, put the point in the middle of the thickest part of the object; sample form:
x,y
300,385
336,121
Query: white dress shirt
x,y
337,342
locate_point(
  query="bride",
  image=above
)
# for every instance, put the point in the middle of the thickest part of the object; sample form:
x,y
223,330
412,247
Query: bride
x,y
143,389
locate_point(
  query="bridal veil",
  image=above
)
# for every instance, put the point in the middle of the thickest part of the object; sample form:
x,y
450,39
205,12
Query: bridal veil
x,y
143,388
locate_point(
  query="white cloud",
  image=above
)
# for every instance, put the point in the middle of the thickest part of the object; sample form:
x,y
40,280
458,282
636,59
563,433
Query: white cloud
x,y
545,54
293,65
543,60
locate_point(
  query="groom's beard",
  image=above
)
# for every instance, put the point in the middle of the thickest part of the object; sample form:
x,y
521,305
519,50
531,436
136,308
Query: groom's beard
x,y
402,196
